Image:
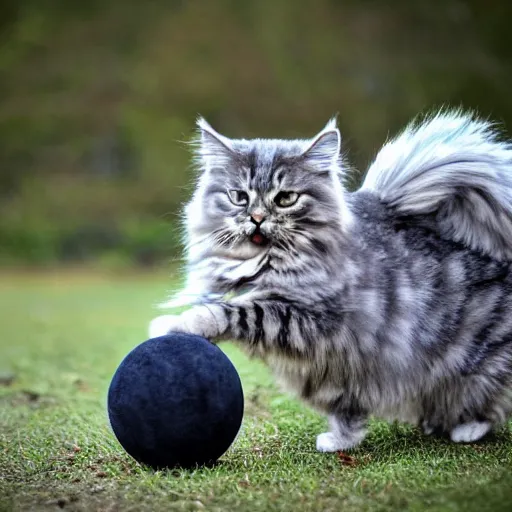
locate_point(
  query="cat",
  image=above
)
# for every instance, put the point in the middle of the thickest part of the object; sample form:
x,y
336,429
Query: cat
x,y
393,301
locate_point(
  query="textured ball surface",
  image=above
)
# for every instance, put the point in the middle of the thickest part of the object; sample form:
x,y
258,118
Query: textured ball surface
x,y
176,400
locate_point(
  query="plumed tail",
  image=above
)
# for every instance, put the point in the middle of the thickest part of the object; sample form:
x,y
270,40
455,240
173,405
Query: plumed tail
x,y
454,167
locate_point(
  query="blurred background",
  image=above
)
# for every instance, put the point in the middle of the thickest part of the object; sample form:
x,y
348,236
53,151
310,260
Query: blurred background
x,y
97,97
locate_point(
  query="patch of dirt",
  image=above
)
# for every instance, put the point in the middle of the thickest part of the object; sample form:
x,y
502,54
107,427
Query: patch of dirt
x,y
256,404
30,398
7,378
82,386
69,496
346,460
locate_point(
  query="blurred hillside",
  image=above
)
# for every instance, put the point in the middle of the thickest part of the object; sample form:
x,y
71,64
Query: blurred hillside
x,y
96,98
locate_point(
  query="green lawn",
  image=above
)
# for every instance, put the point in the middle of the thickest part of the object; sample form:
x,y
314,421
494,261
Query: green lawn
x,y
62,336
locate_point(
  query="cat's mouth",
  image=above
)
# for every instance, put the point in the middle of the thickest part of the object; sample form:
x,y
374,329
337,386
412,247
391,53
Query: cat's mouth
x,y
258,238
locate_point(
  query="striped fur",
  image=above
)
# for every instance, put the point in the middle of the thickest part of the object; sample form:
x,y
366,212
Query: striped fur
x,y
393,301
455,167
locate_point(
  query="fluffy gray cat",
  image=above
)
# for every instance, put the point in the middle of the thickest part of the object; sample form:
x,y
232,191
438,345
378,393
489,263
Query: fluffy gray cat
x,y
393,301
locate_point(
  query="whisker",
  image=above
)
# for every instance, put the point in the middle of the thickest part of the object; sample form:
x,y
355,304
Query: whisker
x,y
201,240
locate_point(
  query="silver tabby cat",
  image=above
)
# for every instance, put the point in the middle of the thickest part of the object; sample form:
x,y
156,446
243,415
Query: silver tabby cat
x,y
394,301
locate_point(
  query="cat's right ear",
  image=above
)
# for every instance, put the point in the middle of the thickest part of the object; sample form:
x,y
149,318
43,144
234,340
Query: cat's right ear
x,y
324,150
213,148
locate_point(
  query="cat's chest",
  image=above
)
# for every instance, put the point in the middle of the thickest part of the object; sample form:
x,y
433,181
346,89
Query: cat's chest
x,y
322,386
306,379
291,373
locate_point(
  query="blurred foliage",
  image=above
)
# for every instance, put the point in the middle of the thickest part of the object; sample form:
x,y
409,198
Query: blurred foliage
x,y
96,98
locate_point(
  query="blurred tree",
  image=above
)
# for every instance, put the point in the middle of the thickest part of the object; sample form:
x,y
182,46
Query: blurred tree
x,y
96,97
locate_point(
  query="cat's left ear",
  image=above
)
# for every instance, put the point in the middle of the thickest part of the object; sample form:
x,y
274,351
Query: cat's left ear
x,y
324,150
214,148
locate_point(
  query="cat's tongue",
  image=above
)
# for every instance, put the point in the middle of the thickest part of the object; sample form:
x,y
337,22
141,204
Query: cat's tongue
x,y
258,239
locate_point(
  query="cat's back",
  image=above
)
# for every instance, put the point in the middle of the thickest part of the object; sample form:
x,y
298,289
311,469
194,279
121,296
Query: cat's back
x,y
413,245
437,293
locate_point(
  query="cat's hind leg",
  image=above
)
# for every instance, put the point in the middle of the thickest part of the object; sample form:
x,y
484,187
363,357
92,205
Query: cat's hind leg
x,y
470,432
345,432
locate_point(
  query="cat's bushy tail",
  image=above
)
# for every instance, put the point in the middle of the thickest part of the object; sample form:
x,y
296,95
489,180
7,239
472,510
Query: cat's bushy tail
x,y
454,167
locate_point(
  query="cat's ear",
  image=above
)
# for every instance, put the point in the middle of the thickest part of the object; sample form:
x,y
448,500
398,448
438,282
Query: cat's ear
x,y
213,147
324,150
331,125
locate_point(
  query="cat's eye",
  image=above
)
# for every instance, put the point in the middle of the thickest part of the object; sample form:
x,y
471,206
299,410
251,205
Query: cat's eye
x,y
285,199
238,197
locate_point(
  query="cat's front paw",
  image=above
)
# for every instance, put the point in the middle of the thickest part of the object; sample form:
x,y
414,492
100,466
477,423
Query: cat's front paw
x,y
208,321
162,325
329,442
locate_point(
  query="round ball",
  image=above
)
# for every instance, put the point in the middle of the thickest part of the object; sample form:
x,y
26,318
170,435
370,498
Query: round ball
x,y
176,400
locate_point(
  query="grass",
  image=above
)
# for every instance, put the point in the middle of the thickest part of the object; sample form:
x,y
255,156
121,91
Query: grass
x,y
63,335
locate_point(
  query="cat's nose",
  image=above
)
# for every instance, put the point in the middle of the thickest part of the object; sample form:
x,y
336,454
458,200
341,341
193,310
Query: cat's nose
x,y
257,217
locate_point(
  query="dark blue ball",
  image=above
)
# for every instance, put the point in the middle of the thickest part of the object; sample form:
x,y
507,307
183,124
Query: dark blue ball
x,y
176,400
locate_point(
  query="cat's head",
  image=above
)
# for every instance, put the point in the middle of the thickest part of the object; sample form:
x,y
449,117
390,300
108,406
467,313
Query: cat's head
x,y
255,195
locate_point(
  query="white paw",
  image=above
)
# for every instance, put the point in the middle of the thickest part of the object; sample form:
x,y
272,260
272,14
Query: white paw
x,y
469,432
161,325
328,442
